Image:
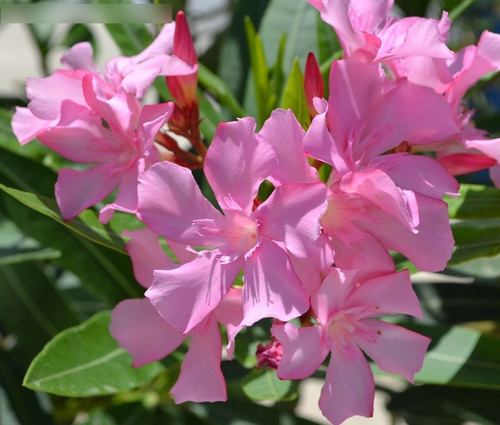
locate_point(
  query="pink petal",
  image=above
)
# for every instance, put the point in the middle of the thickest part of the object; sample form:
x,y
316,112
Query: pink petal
x,y
271,289
291,215
315,266
367,256
138,328
146,254
430,248
152,119
229,313
318,143
47,94
417,125
201,378
78,190
303,350
349,388
172,214
80,56
396,349
421,38
26,126
331,296
81,137
284,133
237,163
377,187
418,173
389,294
184,295
126,199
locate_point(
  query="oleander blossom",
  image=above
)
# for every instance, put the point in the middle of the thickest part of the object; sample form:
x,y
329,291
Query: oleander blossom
x,y
345,308
98,120
138,327
246,235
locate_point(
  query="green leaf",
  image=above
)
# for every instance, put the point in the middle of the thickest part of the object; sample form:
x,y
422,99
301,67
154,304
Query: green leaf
x,y
213,82
31,308
296,19
259,71
294,96
458,356
86,224
475,239
263,384
439,405
16,401
475,201
86,361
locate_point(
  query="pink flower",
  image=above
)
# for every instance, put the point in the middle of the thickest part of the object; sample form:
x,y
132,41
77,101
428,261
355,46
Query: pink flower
x,y
344,308
98,120
138,327
395,198
366,33
255,238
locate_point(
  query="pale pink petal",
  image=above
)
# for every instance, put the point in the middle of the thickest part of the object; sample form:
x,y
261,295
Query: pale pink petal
x,y
357,94
389,294
151,120
138,328
81,137
303,350
370,15
318,143
285,134
495,175
356,44
490,147
377,187
367,256
80,56
201,378
184,295
184,253
181,202
291,215
146,254
229,313
430,248
126,198
247,161
349,388
418,173
417,125
413,37
315,266
271,289
47,94
27,126
332,294
78,190
396,349
477,62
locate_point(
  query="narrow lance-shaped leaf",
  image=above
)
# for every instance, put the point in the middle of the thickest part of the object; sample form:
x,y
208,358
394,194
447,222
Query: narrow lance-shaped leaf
x,y
86,361
259,71
294,96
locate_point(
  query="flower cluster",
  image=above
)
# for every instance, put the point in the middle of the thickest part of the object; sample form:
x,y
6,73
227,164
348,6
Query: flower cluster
x,y
313,253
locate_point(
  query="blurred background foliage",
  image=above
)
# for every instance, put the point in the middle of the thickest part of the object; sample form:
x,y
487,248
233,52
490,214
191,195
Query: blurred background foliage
x,y
56,275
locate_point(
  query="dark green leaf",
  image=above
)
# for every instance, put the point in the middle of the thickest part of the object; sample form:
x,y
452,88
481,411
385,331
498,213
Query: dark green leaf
x,y
475,201
31,308
86,361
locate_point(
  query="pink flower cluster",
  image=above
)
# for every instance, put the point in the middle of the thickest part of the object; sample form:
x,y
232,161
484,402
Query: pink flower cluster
x,y
314,255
